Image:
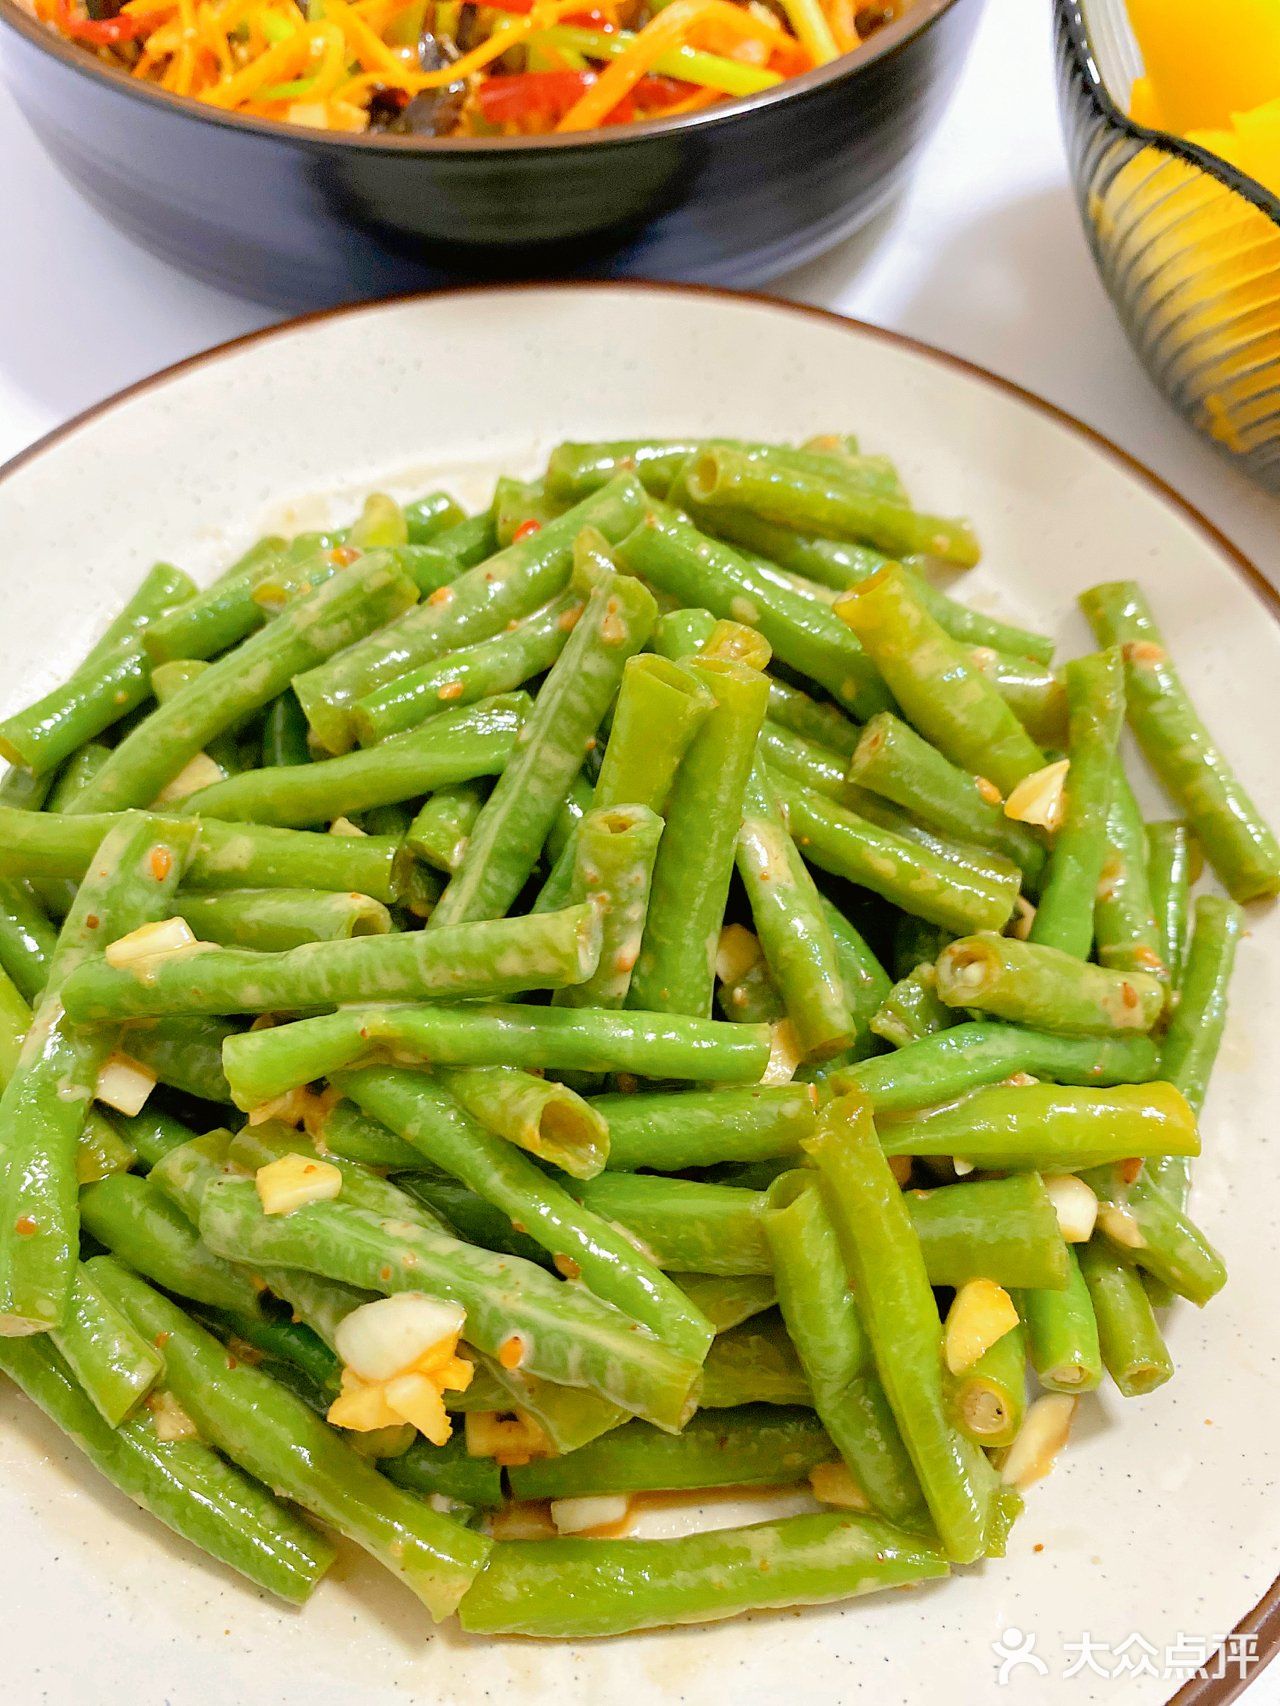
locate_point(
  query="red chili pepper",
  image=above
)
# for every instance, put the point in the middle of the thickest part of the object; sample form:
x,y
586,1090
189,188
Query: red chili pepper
x,y
98,32
520,6
526,95
651,93
526,528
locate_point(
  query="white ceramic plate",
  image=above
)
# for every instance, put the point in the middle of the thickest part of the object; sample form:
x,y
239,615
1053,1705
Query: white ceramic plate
x,y
1162,1519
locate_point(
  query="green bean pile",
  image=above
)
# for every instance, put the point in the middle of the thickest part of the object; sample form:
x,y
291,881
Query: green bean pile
x,y
650,924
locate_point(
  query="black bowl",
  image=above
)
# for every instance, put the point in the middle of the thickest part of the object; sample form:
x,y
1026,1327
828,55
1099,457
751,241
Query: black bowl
x,y
730,195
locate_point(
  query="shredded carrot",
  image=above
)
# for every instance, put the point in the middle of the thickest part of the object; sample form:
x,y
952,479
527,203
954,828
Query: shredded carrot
x,y
668,30
285,59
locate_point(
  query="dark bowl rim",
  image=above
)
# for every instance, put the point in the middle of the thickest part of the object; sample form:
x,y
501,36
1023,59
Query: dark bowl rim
x,y
1261,1624
1075,25
920,16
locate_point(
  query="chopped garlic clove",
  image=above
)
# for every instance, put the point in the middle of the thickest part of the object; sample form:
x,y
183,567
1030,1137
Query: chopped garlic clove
x,y
1074,1204
1039,798
737,952
960,1166
416,1399
344,826
294,1181
509,1440
1120,1226
785,1054
123,1084
150,941
834,1485
1041,1437
522,1520
981,1312
394,1335
198,772
169,1419
362,1406
591,1514
1024,916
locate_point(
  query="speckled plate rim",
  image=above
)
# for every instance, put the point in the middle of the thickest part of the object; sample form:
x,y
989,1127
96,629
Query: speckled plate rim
x,y
1260,1625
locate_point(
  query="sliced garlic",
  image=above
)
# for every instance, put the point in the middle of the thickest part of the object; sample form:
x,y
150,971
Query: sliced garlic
x,y
1040,797
738,950
124,1084
1041,1437
198,772
590,1514
362,1406
150,941
785,1054
834,1485
522,1520
416,1399
294,1181
981,1312
392,1335
1120,1226
169,1419
1074,1204
344,826
509,1440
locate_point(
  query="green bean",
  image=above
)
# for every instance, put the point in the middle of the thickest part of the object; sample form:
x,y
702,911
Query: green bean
x,y
138,1222
277,1439
1004,1230
1133,1349
429,518
750,996
669,1131
1195,1031
455,747
515,820
548,1119
568,1336
755,1446
865,980
182,1483
440,830
273,920
607,1587
614,853
951,1063
477,605
585,1244
114,1364
492,958
831,506
113,680
681,1223
823,1322
1062,1333
986,1403
1048,1128
940,691
1128,936
1169,878
1095,712
284,732
1029,983
727,1300
754,1364
920,881
798,943
912,1010
26,939
893,761
43,1108
901,1318
223,613
447,1471
675,971
701,572
1147,1229
184,1053
1237,841
359,600
1033,692
474,672
84,763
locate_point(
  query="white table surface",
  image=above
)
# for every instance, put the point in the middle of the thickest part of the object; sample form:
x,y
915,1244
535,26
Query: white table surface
x,y
983,256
